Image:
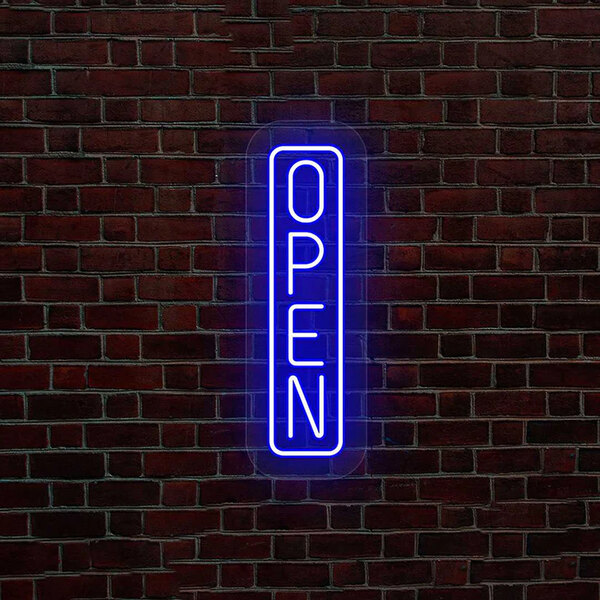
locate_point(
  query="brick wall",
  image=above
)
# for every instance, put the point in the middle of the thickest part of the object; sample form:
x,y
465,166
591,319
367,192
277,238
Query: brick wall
x,y
122,455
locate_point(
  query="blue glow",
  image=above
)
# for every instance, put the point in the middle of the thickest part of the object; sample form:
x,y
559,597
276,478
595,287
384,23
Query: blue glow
x,y
287,377
306,305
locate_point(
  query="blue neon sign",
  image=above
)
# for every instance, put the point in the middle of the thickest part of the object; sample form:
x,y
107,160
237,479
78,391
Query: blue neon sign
x,y
299,372
306,300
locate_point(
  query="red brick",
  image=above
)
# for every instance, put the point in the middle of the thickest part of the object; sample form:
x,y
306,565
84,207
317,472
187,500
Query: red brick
x,y
164,464
513,570
517,24
180,522
57,288
11,170
456,374
178,346
117,258
510,346
121,317
299,574
560,375
68,524
514,287
122,435
173,228
350,83
85,586
21,316
507,54
64,170
210,258
404,171
556,591
217,546
74,347
66,465
131,140
62,228
201,54
122,82
512,228
19,558
457,433
267,111
400,573
24,377
513,172
405,54
516,111
171,287
461,317
405,461
116,199
472,543
460,83
459,258
240,83
461,200
21,139
572,23
20,199
144,377
313,54
513,515
139,22
125,553
556,432
456,490
565,200
12,346
459,24
178,110
526,83
405,111
512,460
387,229
123,493
573,258
15,21
25,82
566,141
522,403
452,141
388,516
70,52
177,170
566,486
11,110
345,24
346,489
390,405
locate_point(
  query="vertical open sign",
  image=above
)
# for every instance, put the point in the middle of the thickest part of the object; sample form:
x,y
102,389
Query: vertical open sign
x,y
306,318
306,380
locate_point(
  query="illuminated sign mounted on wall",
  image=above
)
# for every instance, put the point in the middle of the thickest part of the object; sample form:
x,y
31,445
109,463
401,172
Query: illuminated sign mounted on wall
x,y
306,308
305,367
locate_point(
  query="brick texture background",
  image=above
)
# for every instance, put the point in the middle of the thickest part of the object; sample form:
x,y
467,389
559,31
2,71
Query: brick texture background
x,y
122,146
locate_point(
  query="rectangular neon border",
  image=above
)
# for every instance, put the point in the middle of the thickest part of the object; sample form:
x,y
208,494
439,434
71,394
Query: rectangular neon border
x,y
340,301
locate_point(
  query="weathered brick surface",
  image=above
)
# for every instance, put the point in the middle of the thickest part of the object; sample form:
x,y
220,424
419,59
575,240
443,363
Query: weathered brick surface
x,y
124,127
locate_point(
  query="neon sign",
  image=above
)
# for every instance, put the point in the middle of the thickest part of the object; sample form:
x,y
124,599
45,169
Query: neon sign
x,y
306,303
298,371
